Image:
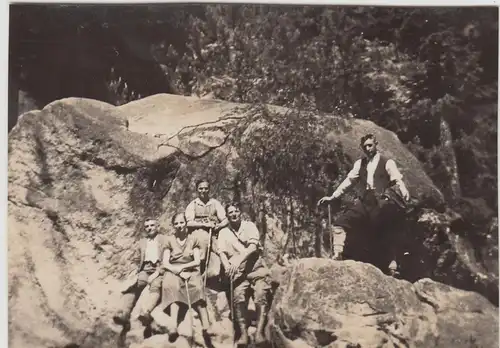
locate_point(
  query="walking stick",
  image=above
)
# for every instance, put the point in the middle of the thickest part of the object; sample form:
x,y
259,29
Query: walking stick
x,y
190,313
231,305
330,229
329,215
207,260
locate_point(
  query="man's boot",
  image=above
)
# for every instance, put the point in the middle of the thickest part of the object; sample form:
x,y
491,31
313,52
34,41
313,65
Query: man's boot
x,y
122,317
261,323
149,304
240,319
145,318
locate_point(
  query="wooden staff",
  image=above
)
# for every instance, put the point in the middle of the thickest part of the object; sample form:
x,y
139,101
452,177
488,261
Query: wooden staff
x,y
207,260
231,305
190,313
330,231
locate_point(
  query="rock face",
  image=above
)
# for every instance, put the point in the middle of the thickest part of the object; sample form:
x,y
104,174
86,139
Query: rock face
x,y
82,176
324,303
73,172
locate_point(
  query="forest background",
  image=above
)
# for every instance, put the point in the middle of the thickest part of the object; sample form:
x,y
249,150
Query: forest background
x,y
428,74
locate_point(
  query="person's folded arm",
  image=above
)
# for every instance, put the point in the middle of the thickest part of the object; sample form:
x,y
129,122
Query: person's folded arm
x,y
195,263
225,261
221,215
167,265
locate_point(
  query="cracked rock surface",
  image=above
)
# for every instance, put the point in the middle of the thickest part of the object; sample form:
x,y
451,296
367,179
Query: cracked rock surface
x,y
82,175
325,303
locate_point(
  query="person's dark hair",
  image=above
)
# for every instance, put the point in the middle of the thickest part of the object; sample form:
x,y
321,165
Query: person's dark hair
x,y
149,218
366,137
198,182
233,204
176,215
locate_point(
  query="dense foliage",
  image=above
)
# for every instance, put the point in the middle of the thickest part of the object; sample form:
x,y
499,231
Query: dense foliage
x,y
428,74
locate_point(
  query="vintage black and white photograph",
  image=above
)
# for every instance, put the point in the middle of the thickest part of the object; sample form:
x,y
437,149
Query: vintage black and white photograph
x,y
232,175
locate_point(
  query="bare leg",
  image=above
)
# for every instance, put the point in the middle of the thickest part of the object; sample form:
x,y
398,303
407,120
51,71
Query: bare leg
x,y
150,303
129,300
201,308
174,314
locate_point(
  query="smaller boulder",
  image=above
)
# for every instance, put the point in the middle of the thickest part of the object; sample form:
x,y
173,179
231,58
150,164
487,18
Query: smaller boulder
x,y
323,302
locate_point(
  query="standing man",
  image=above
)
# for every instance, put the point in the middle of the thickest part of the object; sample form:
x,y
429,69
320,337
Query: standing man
x,y
241,256
149,273
382,196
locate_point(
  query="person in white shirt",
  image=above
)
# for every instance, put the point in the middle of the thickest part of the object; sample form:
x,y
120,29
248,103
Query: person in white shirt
x,y
149,272
381,194
240,251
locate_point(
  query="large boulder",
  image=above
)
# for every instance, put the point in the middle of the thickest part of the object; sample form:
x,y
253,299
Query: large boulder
x,y
82,175
325,303
74,171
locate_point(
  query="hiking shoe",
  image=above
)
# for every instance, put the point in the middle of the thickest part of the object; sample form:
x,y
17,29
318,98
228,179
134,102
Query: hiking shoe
x,y
209,332
172,336
145,318
394,273
121,319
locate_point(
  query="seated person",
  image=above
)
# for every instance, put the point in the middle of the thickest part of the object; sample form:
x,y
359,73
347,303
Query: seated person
x,y
240,253
205,215
151,249
181,263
